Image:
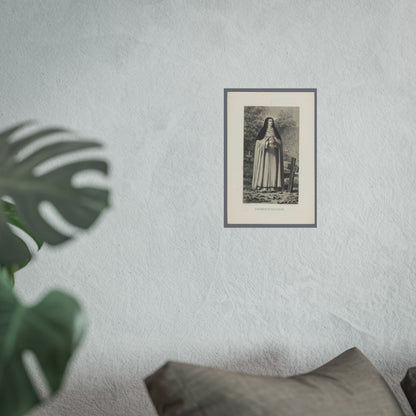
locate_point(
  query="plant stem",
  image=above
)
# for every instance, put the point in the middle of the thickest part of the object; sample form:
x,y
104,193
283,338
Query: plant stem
x,y
7,275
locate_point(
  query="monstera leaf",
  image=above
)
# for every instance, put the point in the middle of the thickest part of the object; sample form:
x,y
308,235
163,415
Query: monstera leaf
x,y
20,182
10,213
52,329
13,219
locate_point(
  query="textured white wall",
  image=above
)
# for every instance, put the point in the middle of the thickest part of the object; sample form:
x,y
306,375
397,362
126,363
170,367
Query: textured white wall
x,y
159,276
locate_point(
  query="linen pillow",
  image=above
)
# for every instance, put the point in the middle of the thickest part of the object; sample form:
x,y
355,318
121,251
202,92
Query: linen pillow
x,y
349,385
409,387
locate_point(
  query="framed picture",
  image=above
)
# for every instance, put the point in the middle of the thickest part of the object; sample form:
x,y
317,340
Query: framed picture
x,y
269,157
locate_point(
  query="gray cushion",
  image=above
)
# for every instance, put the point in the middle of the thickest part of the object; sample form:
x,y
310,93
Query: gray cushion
x,y
349,385
409,387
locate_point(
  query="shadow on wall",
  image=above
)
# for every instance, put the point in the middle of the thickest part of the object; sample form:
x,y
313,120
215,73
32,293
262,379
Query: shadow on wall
x,y
104,398
111,395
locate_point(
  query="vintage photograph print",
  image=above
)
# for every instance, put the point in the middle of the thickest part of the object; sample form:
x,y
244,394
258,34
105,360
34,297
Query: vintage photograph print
x,y
271,170
270,157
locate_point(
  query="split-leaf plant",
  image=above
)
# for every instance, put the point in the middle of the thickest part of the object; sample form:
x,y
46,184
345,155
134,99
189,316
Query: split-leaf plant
x,y
32,172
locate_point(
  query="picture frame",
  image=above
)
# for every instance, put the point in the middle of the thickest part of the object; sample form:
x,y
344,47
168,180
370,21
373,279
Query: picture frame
x,y
270,151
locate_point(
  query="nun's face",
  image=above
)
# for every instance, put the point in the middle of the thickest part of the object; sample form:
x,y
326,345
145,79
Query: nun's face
x,y
270,122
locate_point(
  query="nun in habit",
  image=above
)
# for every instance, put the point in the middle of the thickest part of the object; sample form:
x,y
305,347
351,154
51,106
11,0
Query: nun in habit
x,y
268,159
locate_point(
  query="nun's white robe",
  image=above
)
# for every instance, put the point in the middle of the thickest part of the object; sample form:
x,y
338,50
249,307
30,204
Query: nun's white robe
x,y
268,162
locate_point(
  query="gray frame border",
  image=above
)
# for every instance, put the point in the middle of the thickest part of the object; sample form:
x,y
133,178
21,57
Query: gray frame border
x,y
226,224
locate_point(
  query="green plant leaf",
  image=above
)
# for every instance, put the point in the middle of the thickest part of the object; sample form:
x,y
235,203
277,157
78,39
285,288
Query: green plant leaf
x,y
10,212
51,329
7,276
13,251
80,206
